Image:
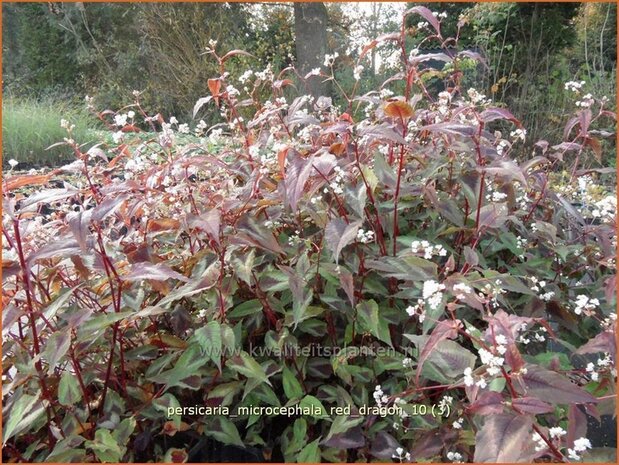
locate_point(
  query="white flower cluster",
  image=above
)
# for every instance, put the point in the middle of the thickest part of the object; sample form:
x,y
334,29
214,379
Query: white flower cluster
x,y
502,146
243,78
64,124
602,363
417,310
120,119
337,184
330,59
379,396
356,72
586,102
365,236
166,136
455,457
266,74
476,97
13,163
605,209
428,249
494,362
432,293
518,134
135,165
401,455
461,289
585,305
295,239
200,128
538,286
574,86
469,380
580,445
555,432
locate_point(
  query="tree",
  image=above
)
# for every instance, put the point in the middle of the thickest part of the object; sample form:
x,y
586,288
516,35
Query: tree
x,y
310,27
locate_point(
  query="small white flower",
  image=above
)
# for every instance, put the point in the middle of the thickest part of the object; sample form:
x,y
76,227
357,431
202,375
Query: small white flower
x,y
13,163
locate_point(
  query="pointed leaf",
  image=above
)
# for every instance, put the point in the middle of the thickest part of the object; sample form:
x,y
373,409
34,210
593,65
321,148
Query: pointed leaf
x,y
501,438
339,234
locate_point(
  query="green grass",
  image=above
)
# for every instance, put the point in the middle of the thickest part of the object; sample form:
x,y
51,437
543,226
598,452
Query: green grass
x,y
30,126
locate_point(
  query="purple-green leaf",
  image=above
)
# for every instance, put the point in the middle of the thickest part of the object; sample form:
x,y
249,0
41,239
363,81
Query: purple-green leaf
x,y
502,437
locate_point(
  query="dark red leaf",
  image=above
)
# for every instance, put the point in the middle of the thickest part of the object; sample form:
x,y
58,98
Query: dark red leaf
x,y
427,15
502,439
532,405
445,329
551,386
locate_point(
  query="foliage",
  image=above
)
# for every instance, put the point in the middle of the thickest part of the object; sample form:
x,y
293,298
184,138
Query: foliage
x,y
29,127
313,261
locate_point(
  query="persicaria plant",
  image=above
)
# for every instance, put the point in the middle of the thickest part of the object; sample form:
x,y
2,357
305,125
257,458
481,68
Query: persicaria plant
x,y
468,289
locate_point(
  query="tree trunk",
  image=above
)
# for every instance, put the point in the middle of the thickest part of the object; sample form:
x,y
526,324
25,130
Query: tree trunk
x,y
310,28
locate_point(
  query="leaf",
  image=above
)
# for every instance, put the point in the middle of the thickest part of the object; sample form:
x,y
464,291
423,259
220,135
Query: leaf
x,y
200,103
232,53
105,446
292,387
56,348
339,234
224,431
383,446
487,403
501,438
410,268
532,405
551,386
492,114
382,132
373,321
108,206
493,215
297,174
311,402
245,309
343,423
209,222
156,272
214,85
427,15
62,247
48,196
15,182
207,280
209,338
162,224
470,256
445,329
602,342
250,232
448,360
310,453
398,109
353,438
79,222
21,414
183,374
69,392
356,197
248,367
